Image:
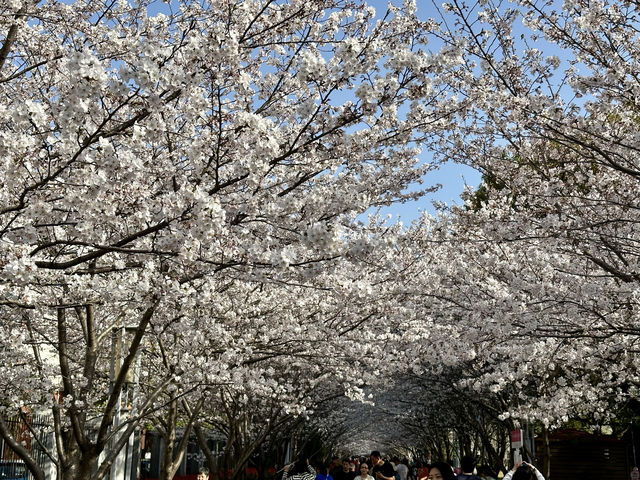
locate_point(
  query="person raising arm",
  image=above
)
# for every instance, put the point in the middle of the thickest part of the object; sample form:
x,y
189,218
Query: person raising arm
x,y
523,471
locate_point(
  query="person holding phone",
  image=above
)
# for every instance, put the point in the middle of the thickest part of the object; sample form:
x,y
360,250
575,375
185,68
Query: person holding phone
x,y
523,471
300,470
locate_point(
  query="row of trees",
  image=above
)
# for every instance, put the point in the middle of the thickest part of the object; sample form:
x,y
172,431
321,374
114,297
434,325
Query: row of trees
x,y
525,298
543,279
180,187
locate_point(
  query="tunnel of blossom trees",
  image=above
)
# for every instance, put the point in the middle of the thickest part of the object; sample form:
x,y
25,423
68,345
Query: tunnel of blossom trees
x,y
192,236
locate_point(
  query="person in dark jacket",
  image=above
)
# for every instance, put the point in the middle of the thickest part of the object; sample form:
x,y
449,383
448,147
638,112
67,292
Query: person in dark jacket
x,y
344,472
467,464
382,470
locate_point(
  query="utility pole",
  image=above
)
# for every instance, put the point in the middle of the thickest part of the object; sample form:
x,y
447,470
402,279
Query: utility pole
x,y
126,465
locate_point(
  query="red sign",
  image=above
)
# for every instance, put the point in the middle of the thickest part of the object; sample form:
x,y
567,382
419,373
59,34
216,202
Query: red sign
x,y
516,438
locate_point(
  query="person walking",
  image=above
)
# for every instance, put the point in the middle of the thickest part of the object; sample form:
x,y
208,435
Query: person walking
x,y
323,473
345,472
485,473
441,471
523,471
300,470
203,474
422,470
402,469
364,472
382,470
467,465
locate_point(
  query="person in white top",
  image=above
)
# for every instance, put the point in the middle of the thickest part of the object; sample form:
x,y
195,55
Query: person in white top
x,y
402,469
523,471
364,472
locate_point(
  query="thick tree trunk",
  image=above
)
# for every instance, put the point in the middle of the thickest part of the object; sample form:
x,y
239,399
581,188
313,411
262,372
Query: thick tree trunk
x,y
546,467
174,453
169,464
86,466
202,442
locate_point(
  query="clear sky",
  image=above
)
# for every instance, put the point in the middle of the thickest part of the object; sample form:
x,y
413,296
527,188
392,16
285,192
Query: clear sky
x,y
453,178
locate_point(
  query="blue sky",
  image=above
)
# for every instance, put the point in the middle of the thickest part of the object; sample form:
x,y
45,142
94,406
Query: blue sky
x,y
453,178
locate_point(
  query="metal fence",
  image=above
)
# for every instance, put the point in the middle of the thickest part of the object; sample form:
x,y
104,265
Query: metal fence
x,y
34,432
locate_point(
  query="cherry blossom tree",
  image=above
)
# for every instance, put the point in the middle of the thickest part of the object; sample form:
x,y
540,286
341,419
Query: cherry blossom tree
x,y
537,272
155,154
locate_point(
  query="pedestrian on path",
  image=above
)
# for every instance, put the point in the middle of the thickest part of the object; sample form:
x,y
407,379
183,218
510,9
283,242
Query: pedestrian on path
x,y
523,471
300,470
422,470
382,470
441,471
468,465
364,473
323,473
485,473
402,468
343,473
203,474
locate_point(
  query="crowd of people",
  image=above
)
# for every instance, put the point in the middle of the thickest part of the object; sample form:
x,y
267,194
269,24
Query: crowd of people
x,y
375,467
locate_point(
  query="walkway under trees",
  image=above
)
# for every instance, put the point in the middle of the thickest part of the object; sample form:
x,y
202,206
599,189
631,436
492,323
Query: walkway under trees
x,y
183,246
